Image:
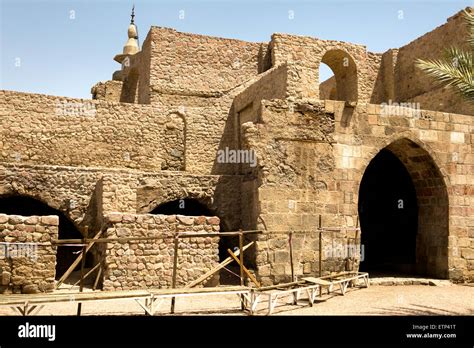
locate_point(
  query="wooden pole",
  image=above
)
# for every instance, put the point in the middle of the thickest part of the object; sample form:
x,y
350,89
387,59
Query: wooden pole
x,y
87,274
355,244
216,269
320,248
97,278
175,267
76,262
247,272
83,263
290,241
241,248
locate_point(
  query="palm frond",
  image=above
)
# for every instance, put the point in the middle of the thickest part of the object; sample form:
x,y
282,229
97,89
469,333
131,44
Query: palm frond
x,y
449,74
470,22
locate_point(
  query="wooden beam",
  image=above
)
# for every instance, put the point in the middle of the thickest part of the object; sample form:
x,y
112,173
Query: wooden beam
x,y
244,268
97,277
216,269
320,249
83,263
175,267
76,262
87,274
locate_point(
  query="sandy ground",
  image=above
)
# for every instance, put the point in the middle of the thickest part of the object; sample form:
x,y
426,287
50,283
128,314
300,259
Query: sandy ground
x,y
375,300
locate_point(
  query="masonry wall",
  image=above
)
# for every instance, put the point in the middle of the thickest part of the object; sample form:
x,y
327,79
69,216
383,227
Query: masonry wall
x,y
142,264
48,130
73,191
305,55
142,192
26,267
411,84
200,71
311,163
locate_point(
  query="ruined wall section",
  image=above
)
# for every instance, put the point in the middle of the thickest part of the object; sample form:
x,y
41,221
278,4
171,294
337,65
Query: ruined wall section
x,y
413,85
70,190
48,130
208,66
327,89
132,192
305,55
27,257
149,263
312,156
108,90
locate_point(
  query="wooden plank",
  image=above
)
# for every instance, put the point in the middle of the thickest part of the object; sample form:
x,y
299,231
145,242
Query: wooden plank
x,y
216,269
241,264
282,286
320,249
83,263
318,281
67,296
175,267
87,274
97,277
76,262
183,291
244,268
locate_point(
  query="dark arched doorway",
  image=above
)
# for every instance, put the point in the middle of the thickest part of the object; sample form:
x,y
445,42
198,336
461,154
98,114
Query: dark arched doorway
x,y
403,209
27,206
388,216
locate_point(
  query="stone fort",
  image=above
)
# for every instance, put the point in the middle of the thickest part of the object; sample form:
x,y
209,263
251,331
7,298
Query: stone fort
x,y
379,145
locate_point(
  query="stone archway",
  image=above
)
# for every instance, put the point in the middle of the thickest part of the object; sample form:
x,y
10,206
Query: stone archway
x,y
405,222
344,85
28,206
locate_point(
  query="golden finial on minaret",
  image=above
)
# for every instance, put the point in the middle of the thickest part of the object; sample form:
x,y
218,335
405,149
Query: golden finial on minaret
x,y
131,46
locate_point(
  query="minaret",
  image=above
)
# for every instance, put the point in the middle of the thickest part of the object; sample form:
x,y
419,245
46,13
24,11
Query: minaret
x,y
131,46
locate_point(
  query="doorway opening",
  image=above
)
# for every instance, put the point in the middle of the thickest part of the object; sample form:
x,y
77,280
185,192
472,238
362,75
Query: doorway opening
x,y
403,209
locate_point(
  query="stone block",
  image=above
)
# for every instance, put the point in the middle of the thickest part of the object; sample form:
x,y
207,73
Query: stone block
x,y
114,217
6,276
50,220
185,220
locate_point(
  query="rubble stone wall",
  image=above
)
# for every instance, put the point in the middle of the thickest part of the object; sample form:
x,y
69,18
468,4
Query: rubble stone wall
x,y
27,257
149,263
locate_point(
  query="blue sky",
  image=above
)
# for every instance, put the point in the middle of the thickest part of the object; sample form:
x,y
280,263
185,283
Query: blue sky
x,y
64,47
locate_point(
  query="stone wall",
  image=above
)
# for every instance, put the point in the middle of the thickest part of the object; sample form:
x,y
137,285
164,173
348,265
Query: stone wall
x,y
48,130
143,264
71,190
306,54
142,192
200,71
27,267
411,84
312,160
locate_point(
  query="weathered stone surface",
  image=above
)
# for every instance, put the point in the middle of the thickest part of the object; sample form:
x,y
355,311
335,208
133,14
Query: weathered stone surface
x,y
50,220
149,264
137,146
26,267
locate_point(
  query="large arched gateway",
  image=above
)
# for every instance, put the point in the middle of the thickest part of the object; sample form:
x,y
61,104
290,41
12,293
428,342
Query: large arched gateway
x,y
403,208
